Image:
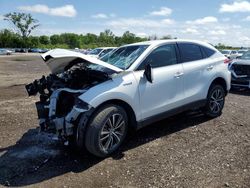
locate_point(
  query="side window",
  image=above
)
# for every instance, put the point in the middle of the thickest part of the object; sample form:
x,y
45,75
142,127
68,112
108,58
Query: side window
x,y
209,52
190,52
161,56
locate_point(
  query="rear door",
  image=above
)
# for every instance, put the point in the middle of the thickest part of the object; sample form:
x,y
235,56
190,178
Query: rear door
x,y
198,70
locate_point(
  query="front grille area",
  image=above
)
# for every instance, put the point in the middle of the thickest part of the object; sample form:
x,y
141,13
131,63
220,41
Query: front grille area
x,y
241,69
240,82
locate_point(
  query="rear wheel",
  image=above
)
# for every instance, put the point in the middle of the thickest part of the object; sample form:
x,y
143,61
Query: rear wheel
x,y
106,130
215,101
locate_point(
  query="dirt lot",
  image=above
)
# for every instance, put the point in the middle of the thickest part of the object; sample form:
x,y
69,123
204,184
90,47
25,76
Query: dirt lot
x,y
187,150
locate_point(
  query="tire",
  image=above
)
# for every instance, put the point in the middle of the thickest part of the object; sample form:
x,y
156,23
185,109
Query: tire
x,y
215,101
106,130
76,141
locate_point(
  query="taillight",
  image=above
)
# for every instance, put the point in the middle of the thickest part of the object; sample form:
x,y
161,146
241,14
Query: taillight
x,y
226,61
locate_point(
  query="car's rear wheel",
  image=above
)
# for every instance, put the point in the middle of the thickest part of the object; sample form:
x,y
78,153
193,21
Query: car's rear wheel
x,y
107,130
215,101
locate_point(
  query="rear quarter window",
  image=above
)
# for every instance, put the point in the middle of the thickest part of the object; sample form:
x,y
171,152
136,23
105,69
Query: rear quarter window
x,y
190,52
208,51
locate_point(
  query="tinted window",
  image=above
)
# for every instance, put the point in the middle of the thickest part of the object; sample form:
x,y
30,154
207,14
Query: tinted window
x,y
161,56
209,52
189,52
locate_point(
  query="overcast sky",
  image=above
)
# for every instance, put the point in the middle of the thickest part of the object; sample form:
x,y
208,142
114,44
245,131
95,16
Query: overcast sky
x,y
215,21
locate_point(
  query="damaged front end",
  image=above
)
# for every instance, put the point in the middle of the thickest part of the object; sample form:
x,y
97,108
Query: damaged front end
x,y
59,108
61,112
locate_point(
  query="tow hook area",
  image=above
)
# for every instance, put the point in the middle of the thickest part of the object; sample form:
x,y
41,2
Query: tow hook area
x,y
62,126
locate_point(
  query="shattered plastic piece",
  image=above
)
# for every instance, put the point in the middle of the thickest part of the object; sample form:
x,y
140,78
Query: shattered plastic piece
x,y
66,143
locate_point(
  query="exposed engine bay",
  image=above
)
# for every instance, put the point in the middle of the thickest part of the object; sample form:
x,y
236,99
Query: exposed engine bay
x,y
77,77
59,107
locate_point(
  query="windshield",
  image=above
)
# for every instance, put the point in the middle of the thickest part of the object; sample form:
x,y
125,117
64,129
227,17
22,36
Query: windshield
x,y
225,52
124,57
104,52
246,55
84,64
95,51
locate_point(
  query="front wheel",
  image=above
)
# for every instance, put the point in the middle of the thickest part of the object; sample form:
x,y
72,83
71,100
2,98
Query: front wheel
x,y
106,130
215,101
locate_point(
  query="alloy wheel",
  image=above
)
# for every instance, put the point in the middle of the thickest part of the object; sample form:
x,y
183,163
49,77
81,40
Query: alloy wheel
x,y
216,101
112,132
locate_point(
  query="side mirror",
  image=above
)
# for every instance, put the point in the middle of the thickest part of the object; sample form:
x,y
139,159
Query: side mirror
x,y
148,73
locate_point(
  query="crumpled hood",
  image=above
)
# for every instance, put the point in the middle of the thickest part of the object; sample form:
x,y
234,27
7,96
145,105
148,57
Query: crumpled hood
x,y
58,59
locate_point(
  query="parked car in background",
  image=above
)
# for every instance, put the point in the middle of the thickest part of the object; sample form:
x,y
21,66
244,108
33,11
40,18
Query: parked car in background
x,y
38,50
21,50
5,52
98,52
93,102
241,52
230,54
85,51
240,70
34,50
44,50
17,49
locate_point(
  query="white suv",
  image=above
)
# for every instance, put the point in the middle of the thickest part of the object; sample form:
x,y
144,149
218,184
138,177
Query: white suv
x,y
93,103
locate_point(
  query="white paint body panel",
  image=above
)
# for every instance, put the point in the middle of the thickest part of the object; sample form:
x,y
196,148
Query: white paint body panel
x,y
167,91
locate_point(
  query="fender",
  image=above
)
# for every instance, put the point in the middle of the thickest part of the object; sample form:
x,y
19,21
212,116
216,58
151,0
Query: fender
x,y
121,87
220,74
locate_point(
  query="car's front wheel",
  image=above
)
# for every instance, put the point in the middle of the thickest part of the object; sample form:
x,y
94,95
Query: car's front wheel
x,y
106,130
215,101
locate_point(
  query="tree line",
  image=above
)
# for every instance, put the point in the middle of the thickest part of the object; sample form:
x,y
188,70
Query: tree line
x,y
9,39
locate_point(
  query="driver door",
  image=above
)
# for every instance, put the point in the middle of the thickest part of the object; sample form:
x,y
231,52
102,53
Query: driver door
x,y
166,90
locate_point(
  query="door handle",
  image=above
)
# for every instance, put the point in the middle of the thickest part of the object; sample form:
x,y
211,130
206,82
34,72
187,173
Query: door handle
x,y
178,74
210,67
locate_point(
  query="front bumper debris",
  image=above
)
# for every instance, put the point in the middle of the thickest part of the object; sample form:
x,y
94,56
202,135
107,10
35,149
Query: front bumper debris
x,y
62,126
52,120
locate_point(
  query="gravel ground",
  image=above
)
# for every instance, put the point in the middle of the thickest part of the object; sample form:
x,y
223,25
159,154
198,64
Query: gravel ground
x,y
187,150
